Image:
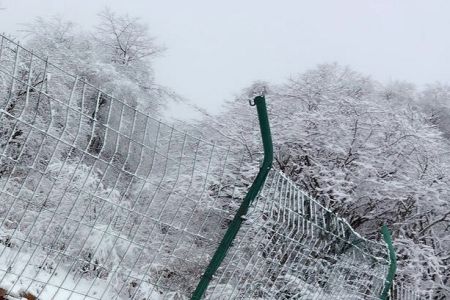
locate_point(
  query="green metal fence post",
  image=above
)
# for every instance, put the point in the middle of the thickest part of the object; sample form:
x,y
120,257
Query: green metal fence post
x,y
392,263
236,223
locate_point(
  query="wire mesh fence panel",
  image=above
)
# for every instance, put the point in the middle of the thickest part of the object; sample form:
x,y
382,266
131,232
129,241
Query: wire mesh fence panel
x,y
100,200
291,247
402,291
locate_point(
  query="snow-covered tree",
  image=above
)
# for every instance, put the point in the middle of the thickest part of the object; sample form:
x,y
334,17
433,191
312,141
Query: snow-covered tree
x,y
366,151
126,38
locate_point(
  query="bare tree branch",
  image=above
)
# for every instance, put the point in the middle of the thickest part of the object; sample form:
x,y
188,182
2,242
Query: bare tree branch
x,y
437,221
127,38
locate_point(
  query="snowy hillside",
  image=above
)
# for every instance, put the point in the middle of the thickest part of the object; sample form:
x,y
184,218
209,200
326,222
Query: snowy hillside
x,y
103,200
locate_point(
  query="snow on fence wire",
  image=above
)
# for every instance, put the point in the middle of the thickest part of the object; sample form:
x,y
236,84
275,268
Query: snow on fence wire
x,y
401,291
98,199
291,247
101,201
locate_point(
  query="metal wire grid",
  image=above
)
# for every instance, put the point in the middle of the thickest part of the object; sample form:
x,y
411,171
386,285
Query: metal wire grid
x,y
402,291
293,248
114,203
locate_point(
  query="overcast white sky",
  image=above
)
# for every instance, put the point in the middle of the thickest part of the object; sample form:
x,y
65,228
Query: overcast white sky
x,y
215,48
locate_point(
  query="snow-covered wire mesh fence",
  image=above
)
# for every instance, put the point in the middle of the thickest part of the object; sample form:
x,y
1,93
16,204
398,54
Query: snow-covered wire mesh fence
x,y
402,291
291,247
102,201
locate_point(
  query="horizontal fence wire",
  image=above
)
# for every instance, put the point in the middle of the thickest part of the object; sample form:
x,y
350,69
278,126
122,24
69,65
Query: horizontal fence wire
x,y
100,200
291,247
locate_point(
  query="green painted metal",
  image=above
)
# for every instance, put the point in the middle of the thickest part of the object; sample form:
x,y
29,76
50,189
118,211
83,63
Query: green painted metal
x,y
393,263
236,223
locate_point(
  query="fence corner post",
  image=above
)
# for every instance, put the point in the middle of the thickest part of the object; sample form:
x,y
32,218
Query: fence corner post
x,y
392,262
253,191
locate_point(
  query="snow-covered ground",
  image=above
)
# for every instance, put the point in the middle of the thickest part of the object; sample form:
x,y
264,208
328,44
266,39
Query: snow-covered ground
x,y
19,275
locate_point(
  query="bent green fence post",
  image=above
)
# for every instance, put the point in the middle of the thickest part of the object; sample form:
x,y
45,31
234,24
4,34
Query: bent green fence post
x,y
392,265
236,223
